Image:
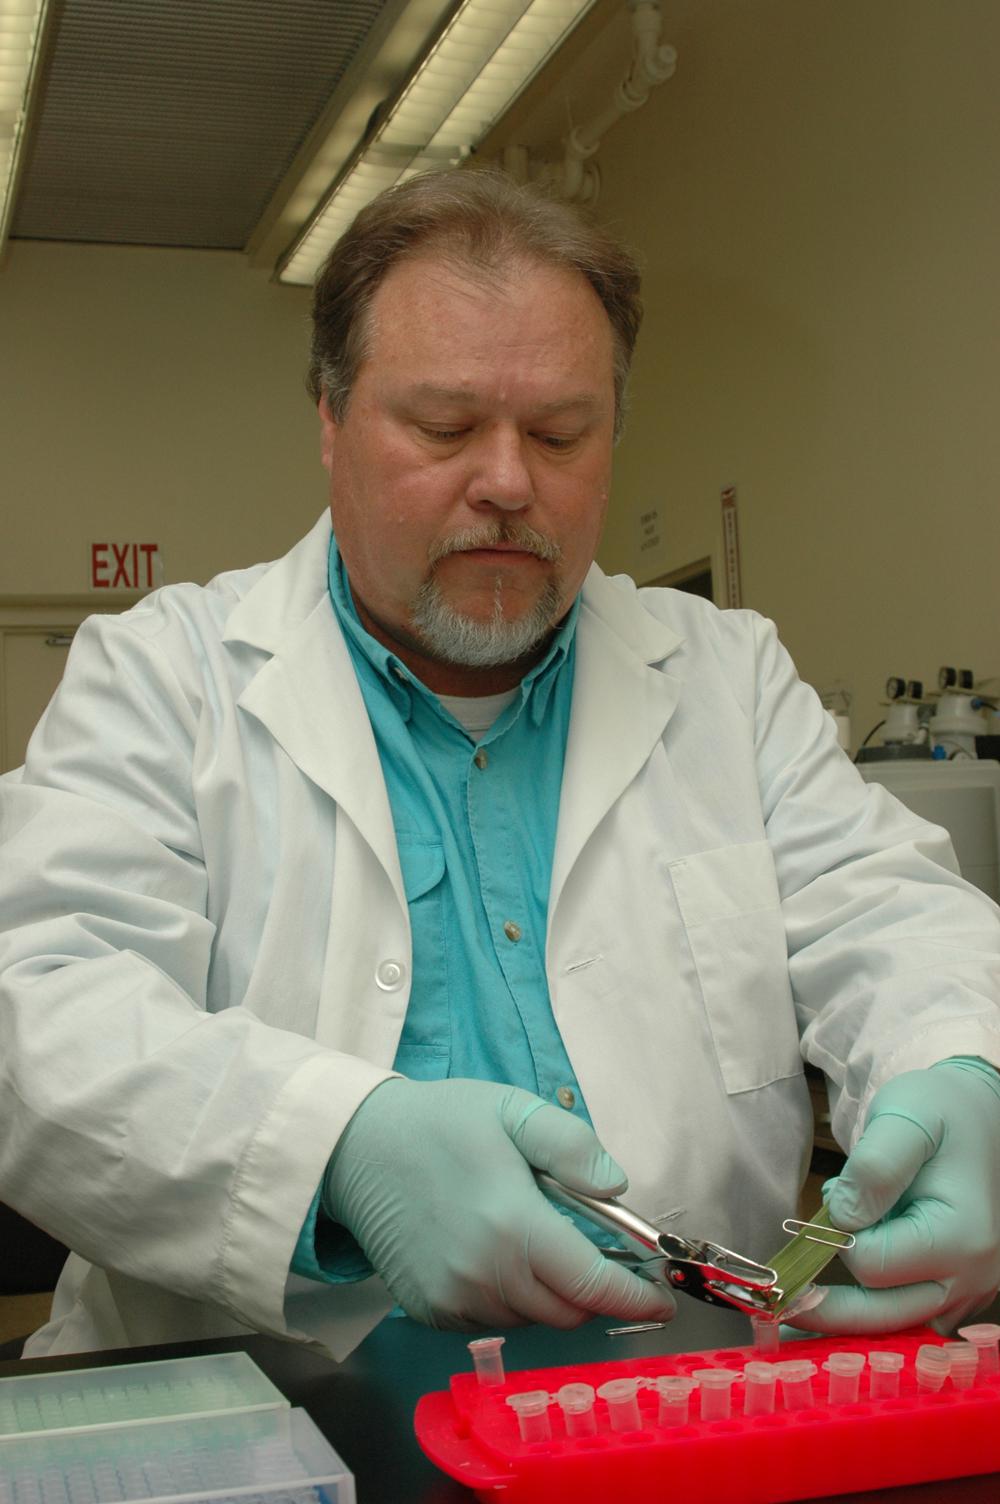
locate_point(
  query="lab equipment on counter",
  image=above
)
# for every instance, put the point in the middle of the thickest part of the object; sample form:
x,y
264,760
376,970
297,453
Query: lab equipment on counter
x,y
194,1427
952,721
643,1433
116,1394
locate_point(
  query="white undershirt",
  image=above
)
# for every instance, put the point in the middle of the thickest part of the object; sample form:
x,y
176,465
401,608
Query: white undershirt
x,y
477,712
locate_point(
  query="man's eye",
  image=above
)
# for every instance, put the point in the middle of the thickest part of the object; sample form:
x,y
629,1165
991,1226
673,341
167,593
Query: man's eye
x,y
557,441
442,435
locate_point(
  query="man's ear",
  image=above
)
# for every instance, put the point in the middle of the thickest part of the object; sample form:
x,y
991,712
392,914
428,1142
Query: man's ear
x,y
328,433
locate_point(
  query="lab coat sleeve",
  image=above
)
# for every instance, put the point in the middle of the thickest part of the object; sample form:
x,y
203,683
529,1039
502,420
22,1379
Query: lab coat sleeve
x,y
894,960
175,1145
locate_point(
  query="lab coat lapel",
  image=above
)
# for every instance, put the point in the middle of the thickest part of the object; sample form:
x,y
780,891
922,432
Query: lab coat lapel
x,y
621,706
307,694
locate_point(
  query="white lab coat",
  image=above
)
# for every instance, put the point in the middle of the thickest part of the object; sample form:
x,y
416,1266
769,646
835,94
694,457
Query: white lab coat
x,y
205,952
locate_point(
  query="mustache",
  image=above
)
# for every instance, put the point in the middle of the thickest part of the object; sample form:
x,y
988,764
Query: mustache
x,y
519,535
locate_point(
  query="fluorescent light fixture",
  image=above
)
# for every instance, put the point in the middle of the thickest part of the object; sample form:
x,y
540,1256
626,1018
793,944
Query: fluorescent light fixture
x,y
488,53
22,28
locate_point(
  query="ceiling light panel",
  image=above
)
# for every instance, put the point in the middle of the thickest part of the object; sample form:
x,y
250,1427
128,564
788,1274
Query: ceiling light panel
x,y
21,32
486,56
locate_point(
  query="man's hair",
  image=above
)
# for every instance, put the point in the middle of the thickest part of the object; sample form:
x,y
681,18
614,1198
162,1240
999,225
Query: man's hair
x,y
480,221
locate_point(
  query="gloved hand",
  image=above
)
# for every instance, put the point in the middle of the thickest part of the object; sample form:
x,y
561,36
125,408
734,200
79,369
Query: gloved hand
x,y
434,1180
921,1192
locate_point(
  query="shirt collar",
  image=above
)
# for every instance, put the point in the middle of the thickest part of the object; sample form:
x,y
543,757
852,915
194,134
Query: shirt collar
x,y
536,686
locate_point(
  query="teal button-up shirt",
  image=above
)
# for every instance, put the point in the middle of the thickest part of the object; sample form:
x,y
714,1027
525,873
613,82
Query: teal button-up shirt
x,y
475,820
475,823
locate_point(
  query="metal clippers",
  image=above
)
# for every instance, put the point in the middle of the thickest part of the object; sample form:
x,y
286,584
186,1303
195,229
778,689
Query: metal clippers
x,y
702,1269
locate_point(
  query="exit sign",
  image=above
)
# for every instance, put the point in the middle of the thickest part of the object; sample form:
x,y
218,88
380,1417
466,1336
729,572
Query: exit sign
x,y
125,566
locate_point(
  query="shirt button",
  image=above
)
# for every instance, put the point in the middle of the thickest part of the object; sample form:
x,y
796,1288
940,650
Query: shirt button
x,y
389,975
481,758
566,1097
512,930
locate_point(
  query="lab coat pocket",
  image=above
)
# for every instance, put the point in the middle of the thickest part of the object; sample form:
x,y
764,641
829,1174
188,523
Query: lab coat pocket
x,y
424,1050
731,908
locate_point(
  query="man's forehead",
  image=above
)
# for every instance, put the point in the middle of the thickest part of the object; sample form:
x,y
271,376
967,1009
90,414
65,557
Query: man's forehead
x,y
448,395
455,279
437,327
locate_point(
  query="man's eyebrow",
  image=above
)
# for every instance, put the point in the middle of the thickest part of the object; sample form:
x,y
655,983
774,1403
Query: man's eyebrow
x,y
427,391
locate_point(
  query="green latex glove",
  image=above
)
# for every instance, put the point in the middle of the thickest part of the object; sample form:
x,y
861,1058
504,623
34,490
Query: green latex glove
x,y
921,1192
434,1180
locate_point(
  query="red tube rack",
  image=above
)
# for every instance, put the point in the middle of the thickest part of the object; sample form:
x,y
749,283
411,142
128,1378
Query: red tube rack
x,y
471,1433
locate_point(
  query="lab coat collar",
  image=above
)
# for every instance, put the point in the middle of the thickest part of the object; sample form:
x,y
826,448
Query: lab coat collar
x,y
285,595
308,697
612,603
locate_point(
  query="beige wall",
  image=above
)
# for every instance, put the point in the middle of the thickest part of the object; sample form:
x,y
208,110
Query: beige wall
x,y
815,199
814,196
152,395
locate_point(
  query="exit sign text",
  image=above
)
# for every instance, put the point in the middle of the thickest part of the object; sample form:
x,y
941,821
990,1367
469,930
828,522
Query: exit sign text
x,y
125,566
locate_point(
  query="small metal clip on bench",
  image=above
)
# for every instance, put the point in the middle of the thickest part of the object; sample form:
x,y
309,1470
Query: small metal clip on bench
x,y
704,1270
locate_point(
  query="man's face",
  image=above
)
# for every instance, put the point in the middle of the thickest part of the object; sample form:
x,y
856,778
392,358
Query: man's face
x,y
469,477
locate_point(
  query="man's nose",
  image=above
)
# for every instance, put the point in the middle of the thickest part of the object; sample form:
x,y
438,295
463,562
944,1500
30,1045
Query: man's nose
x,y
501,475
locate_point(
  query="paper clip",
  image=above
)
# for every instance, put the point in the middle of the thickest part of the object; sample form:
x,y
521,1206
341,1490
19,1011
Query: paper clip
x,y
793,1226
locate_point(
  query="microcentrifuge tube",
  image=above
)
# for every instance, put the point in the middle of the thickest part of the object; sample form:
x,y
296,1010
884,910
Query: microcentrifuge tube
x,y
985,1337
674,1390
532,1411
766,1333
964,1358
932,1366
844,1377
716,1386
487,1359
796,1383
620,1396
576,1401
883,1374
760,1381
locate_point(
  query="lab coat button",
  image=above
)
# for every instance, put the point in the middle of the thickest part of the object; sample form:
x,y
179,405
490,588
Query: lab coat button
x,y
566,1097
481,758
389,975
512,930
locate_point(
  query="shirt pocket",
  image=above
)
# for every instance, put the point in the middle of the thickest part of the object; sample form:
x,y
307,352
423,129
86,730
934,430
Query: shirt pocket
x,y
424,1050
731,910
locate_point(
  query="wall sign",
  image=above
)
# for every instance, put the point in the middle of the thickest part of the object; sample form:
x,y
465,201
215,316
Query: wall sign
x,y
649,529
731,546
125,566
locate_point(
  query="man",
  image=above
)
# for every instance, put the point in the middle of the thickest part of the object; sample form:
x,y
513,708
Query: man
x,y
341,894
